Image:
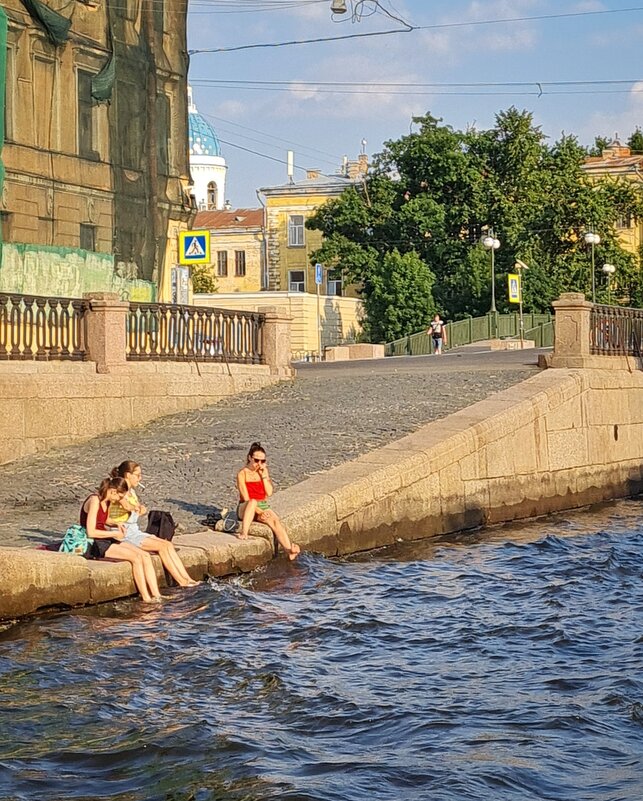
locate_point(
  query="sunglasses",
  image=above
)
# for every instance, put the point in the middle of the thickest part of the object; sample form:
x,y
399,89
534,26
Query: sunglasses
x,y
258,461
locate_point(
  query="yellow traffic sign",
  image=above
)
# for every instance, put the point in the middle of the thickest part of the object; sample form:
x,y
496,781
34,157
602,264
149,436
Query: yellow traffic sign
x,y
513,280
194,247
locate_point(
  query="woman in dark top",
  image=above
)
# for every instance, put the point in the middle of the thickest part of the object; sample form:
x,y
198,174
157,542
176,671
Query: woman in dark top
x,y
109,544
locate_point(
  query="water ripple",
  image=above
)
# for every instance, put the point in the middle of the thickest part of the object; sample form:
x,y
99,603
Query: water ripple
x,y
502,666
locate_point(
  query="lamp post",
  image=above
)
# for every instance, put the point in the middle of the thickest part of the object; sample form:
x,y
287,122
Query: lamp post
x,y
492,244
593,239
609,270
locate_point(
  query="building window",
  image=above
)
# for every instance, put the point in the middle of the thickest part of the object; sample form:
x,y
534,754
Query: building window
x,y
296,281
624,221
43,79
5,226
8,97
213,196
222,263
296,231
240,263
334,283
164,125
87,237
85,116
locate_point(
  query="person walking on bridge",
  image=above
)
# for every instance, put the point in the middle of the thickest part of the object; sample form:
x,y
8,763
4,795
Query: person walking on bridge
x,y
438,333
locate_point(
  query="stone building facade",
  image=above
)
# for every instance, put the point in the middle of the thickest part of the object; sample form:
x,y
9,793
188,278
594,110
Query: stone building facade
x,y
95,150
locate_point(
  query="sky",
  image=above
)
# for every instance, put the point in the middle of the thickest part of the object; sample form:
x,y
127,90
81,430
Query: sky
x,y
322,99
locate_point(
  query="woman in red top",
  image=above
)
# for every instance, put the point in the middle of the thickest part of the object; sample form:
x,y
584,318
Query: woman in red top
x,y
255,487
109,544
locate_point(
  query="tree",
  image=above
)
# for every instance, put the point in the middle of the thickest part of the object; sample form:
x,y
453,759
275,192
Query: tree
x,y
203,279
435,192
635,142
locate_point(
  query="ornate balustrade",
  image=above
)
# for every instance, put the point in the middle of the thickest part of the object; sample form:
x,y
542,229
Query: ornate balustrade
x,y
616,330
160,332
34,328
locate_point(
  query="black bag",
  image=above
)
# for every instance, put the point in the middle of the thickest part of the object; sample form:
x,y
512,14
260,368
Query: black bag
x,y
160,524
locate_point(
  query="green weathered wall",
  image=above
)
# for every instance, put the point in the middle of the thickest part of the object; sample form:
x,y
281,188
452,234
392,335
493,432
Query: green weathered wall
x,y
67,272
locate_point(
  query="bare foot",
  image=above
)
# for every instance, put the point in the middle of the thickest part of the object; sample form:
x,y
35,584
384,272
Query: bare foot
x,y
192,583
156,599
294,551
241,535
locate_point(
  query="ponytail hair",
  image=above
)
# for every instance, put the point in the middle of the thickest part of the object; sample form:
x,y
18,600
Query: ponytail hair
x,y
256,446
115,483
128,466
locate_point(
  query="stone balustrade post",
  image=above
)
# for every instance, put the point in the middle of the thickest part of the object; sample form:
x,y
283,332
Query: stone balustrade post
x,y
572,338
276,341
106,330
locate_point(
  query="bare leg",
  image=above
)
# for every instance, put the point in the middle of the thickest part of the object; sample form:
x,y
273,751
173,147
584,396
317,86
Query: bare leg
x,y
170,559
128,553
247,510
270,519
150,574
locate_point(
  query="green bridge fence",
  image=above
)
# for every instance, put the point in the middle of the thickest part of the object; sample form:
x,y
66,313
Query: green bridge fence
x,y
538,327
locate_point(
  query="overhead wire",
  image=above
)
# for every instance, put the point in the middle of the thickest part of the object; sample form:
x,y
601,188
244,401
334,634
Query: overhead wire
x,y
411,28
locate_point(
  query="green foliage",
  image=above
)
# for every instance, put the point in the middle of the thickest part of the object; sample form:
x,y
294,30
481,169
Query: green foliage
x,y
203,279
635,142
434,193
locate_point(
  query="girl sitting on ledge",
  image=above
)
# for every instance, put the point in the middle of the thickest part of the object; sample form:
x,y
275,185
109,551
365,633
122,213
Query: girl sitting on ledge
x,y
110,544
126,513
255,487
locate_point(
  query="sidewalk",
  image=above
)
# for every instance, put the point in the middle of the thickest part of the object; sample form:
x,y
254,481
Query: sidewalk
x,y
329,415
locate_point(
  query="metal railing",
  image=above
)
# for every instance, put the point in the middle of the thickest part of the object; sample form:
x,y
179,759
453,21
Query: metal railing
x,y
616,330
465,332
163,332
36,328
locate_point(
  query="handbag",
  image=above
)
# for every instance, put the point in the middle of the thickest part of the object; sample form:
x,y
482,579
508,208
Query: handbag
x,y
76,541
160,524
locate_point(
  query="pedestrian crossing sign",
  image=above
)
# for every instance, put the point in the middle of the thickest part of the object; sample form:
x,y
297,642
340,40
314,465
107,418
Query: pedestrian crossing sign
x,y
194,247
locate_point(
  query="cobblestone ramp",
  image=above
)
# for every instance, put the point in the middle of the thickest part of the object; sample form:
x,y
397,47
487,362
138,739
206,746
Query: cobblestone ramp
x,y
329,415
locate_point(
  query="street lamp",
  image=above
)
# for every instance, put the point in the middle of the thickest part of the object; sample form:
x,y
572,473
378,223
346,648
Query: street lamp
x,y
609,270
492,244
593,239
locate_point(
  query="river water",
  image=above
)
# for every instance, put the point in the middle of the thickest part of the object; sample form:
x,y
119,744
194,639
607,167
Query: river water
x,y
503,665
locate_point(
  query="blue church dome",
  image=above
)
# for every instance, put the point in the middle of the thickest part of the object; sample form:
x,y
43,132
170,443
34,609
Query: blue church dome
x,y
203,138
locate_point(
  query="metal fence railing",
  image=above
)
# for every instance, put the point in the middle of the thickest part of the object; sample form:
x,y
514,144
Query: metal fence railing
x,y
163,332
472,329
36,328
616,330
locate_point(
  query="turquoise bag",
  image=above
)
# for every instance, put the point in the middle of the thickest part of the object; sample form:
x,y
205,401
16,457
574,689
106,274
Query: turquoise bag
x,y
76,541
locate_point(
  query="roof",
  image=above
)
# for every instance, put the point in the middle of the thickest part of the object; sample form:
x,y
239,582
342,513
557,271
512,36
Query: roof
x,y
232,218
203,138
615,158
322,183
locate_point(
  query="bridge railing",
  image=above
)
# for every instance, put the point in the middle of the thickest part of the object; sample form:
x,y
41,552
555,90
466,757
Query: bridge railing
x,y
474,329
164,332
38,328
616,330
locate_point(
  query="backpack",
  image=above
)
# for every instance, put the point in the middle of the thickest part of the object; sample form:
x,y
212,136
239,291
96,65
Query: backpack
x,y
76,541
161,524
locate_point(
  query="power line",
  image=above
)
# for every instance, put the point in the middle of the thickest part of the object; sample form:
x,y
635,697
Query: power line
x,y
411,28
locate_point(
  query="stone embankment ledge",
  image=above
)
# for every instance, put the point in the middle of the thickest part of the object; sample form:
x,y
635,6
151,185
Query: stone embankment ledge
x,y
559,440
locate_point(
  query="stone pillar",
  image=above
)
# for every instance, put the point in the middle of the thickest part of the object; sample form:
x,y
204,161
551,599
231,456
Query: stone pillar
x,y
276,341
572,339
106,331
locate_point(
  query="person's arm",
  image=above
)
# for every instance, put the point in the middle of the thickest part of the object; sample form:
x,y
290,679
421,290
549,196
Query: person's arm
x,y
241,484
444,335
267,481
92,531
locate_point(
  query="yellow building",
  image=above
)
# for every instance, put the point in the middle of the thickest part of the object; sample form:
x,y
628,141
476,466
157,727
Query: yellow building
x,y
618,161
95,153
340,318
237,246
290,243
